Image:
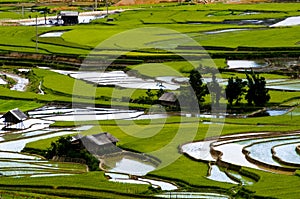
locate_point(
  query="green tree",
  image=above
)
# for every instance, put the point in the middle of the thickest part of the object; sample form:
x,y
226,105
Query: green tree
x,y
159,93
63,147
235,89
150,97
257,91
191,97
187,99
200,89
215,91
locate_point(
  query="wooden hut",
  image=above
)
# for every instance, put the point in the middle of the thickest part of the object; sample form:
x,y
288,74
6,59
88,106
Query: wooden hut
x,y
168,99
15,116
98,144
68,17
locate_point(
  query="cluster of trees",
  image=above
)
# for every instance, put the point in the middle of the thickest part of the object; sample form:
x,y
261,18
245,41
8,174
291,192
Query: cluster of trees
x,y
63,147
254,90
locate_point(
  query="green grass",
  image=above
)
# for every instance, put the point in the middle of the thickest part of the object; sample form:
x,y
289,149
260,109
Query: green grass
x,y
136,135
89,184
89,36
72,87
24,105
242,75
150,136
156,70
274,37
270,186
176,68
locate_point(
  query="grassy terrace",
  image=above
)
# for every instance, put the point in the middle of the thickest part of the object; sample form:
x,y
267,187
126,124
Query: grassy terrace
x,y
192,20
184,171
79,39
89,185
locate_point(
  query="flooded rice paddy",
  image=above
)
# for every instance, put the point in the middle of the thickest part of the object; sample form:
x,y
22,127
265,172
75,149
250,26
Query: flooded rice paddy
x,y
276,112
285,84
290,21
287,153
121,79
129,165
15,164
226,30
53,34
192,195
124,178
123,166
13,140
216,174
90,114
245,64
255,150
265,22
21,83
261,151
198,150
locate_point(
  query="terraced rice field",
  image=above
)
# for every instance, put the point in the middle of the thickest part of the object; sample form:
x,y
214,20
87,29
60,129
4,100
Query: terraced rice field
x,y
254,150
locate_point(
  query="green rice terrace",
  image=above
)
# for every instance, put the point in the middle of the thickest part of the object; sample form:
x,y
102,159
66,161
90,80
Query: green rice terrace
x,y
167,100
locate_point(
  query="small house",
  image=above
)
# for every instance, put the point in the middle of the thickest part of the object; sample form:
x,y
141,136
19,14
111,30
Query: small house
x,y
168,99
98,144
68,17
15,116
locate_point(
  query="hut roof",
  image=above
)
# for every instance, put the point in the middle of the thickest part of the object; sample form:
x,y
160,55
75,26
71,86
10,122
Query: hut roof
x,y
14,115
168,97
68,13
98,139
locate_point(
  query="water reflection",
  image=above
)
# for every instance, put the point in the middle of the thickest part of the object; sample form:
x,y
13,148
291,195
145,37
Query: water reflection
x,y
138,165
122,79
192,195
262,151
226,30
245,64
290,21
53,34
218,175
15,164
287,153
124,178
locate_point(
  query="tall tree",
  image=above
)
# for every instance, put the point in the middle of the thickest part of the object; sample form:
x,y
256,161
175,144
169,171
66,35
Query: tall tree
x,y
187,99
191,97
200,89
215,90
235,89
257,91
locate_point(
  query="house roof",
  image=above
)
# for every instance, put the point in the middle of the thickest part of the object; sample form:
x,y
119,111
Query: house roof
x,y
98,139
16,113
68,13
168,97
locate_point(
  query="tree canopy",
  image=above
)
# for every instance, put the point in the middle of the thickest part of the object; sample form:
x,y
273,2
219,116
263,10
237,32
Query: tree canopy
x,y
199,88
257,91
235,89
